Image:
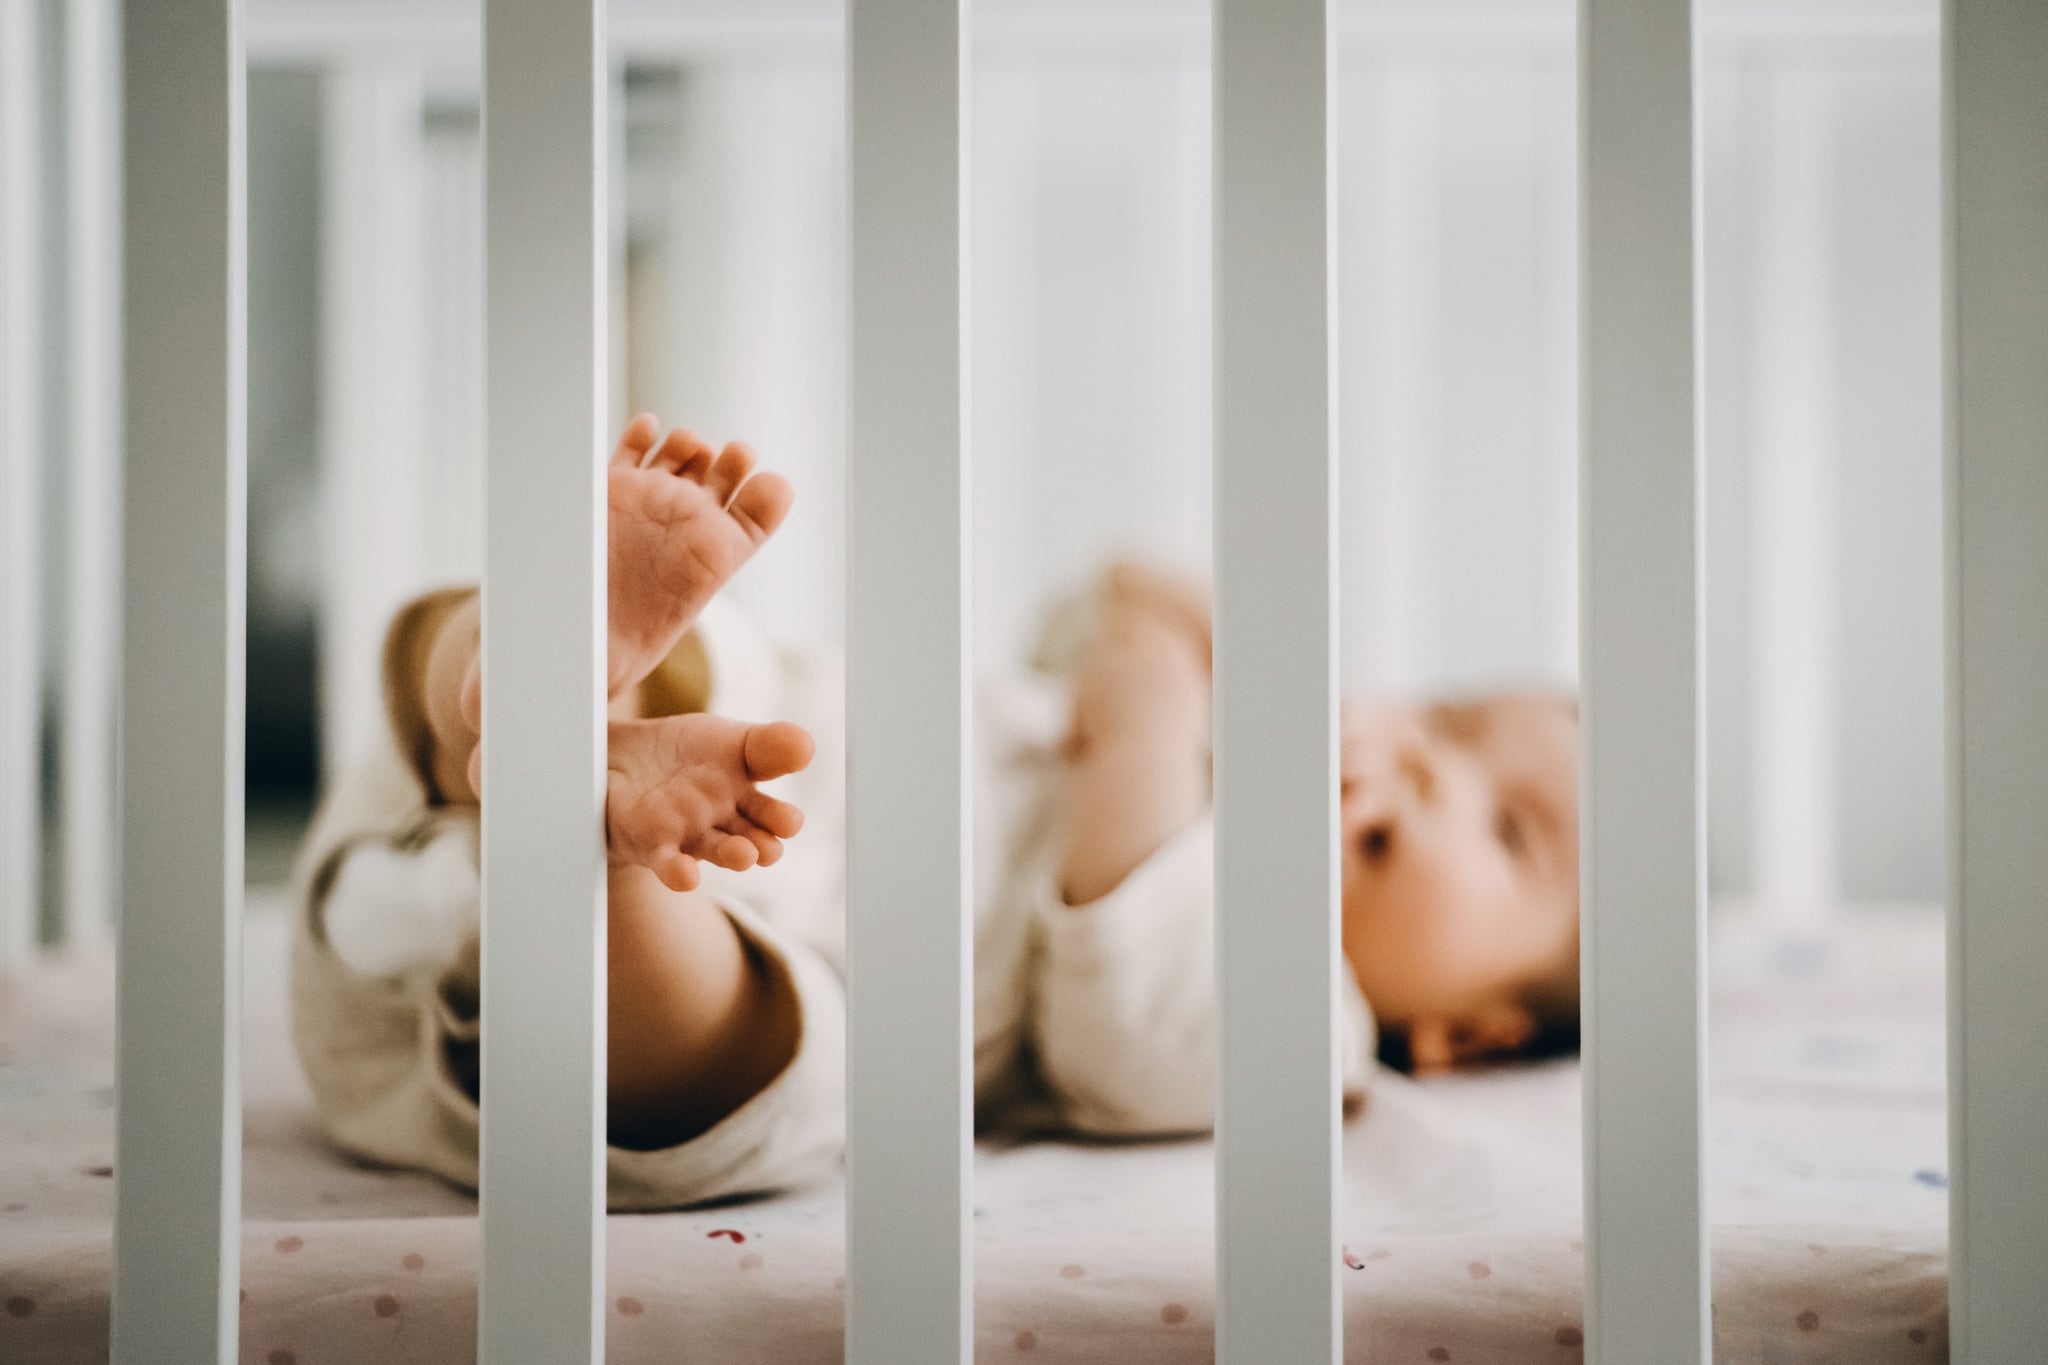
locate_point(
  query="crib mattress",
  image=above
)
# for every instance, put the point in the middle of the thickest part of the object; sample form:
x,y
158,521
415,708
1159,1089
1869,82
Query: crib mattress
x,y
1461,1217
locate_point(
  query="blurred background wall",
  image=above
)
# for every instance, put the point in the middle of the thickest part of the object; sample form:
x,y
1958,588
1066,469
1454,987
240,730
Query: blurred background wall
x,y
1457,312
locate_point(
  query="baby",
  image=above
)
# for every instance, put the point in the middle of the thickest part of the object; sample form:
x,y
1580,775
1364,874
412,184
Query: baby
x,y
1094,1001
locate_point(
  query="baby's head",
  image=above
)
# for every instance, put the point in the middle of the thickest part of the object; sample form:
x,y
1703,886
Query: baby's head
x,y
1460,856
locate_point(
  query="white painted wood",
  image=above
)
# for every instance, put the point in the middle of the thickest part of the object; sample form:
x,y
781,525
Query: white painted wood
x,y
21,457
1996,251
302,30
374,469
178,1111
1278,1172
92,457
546,216
1643,873
908,1206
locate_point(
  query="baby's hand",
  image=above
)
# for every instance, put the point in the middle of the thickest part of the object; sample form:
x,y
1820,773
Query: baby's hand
x,y
684,788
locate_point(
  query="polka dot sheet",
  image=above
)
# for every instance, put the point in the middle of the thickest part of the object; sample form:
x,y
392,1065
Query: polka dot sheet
x,y
1461,1226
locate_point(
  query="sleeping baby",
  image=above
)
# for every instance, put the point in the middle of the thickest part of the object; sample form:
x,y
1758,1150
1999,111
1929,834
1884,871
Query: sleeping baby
x,y
1094,985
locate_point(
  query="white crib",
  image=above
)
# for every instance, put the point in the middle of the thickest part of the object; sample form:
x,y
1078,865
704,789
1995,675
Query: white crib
x,y
180,166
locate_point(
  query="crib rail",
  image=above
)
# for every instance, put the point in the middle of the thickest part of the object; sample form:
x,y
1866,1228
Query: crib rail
x,y
1996,341
1642,880
178,1155
178,1066
541,1190
909,1270
20,485
1277,1169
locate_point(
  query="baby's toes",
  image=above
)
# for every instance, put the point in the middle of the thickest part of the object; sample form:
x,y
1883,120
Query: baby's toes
x,y
776,749
766,845
635,441
678,871
734,464
776,817
683,453
762,504
734,852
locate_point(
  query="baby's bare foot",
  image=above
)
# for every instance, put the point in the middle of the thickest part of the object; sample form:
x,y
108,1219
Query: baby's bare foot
x,y
683,789
682,522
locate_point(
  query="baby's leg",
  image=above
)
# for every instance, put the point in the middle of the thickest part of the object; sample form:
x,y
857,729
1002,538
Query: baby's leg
x,y
697,1023
1138,745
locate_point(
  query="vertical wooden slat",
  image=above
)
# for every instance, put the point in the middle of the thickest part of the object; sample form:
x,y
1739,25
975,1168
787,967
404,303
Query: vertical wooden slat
x,y
1995,220
93,464
1642,876
1278,1175
909,1272
542,1283
21,456
178,1097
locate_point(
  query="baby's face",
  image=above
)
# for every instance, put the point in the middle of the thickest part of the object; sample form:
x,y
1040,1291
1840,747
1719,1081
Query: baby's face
x,y
1459,850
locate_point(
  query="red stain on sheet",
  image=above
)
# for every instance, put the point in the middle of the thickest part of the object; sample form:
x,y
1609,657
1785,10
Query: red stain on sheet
x,y
1027,1341
1073,1272
1439,1353
734,1233
1479,1270
1809,1321
20,1306
630,1307
414,1261
1570,1336
1174,1314
386,1306
1352,1260
287,1245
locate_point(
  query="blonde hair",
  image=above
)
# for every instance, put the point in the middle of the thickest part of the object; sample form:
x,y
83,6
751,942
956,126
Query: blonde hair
x,y
407,642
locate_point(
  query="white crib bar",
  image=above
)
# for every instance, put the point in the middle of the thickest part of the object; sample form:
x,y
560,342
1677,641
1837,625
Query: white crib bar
x,y
1640,554
178,1150
92,455
541,1290
1996,247
908,1203
1278,1172
20,497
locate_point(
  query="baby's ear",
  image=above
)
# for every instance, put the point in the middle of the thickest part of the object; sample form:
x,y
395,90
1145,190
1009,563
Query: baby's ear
x,y
1441,1042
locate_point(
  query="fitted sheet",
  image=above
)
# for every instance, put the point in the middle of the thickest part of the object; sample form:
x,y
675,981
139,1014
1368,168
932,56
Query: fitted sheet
x,y
1826,1157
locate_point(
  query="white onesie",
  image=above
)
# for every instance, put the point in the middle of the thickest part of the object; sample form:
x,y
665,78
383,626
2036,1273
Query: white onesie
x,y
1098,1018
